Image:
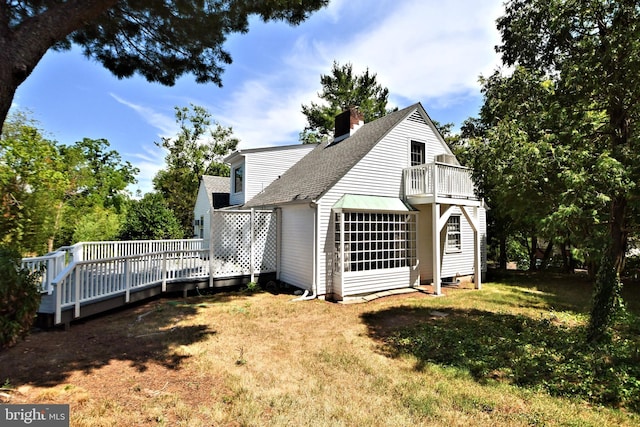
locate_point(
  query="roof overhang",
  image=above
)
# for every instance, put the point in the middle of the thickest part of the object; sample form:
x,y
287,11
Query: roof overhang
x,y
357,202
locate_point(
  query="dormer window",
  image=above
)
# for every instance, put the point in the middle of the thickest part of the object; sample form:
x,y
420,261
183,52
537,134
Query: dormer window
x,y
238,179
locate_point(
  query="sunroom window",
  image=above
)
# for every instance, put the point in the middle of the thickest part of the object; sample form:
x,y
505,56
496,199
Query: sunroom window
x,y
375,241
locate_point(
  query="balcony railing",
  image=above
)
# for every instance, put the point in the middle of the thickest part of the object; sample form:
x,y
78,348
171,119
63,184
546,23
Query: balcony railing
x,y
439,180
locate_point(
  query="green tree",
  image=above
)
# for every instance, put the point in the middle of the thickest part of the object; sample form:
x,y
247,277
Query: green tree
x,y
150,219
198,149
160,40
515,159
592,50
31,179
340,91
48,190
98,223
19,297
97,181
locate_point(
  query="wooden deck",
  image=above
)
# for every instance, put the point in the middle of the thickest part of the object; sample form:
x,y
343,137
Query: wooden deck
x,y
47,319
90,278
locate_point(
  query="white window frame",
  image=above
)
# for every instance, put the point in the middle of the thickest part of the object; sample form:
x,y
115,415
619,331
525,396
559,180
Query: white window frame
x,y
423,152
376,240
237,169
454,234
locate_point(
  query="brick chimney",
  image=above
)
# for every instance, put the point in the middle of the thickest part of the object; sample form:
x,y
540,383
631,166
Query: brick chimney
x,y
347,123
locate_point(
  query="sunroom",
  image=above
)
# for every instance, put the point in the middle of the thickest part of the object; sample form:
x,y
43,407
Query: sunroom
x,y
375,247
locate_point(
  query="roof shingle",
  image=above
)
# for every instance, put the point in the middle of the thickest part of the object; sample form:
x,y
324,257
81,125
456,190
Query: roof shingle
x,y
319,170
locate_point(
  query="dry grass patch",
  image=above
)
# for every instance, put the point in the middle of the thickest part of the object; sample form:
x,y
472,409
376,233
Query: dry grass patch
x,y
261,359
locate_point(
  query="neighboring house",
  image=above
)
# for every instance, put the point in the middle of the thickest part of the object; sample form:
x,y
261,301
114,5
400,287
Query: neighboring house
x,y
254,169
384,205
213,192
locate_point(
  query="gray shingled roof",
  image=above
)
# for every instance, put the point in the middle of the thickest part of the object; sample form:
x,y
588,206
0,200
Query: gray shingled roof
x,y
319,170
216,184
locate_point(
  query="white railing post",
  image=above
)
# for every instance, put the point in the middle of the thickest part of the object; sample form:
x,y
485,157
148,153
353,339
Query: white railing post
x,y
435,182
127,279
211,231
77,292
58,315
164,271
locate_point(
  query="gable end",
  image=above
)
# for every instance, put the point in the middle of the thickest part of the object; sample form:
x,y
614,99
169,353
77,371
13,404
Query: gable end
x,y
416,117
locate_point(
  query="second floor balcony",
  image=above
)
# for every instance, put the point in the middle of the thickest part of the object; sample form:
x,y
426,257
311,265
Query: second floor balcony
x,y
439,183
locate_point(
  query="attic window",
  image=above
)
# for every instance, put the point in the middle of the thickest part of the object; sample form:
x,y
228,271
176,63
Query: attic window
x,y
416,117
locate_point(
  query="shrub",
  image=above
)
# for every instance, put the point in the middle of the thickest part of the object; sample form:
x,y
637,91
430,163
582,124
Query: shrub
x,y
19,297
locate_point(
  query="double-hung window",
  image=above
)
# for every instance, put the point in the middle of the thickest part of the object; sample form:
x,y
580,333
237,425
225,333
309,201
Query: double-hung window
x,y
417,153
454,237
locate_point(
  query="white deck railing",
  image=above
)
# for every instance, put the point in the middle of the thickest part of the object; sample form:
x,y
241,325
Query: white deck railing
x,y
50,264
85,281
87,251
439,180
245,243
54,262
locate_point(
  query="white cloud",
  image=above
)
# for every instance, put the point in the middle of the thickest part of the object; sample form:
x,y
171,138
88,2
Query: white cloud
x,y
419,49
428,49
149,162
164,123
151,159
265,111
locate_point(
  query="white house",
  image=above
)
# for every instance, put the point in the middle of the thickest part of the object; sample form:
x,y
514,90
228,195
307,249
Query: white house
x,y
384,205
212,192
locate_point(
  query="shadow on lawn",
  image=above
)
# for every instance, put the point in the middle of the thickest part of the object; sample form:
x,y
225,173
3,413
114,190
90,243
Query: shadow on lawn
x,y
141,336
539,354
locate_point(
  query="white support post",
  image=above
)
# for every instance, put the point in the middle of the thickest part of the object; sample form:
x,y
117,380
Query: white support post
x,y
435,220
278,213
474,221
342,260
252,244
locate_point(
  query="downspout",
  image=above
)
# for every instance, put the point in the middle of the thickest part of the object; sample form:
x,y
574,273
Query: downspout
x,y
305,296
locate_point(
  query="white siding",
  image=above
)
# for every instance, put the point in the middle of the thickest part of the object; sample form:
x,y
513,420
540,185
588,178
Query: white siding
x,y
379,173
425,242
296,258
237,198
202,209
458,263
452,263
482,213
264,167
364,282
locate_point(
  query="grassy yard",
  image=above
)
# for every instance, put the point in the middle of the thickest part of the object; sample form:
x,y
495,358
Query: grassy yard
x,y
509,355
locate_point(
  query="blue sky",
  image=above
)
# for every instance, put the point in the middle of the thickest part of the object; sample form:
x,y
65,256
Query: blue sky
x,y
421,50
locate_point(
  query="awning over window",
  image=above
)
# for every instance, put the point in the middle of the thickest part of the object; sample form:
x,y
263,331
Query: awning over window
x,y
371,203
